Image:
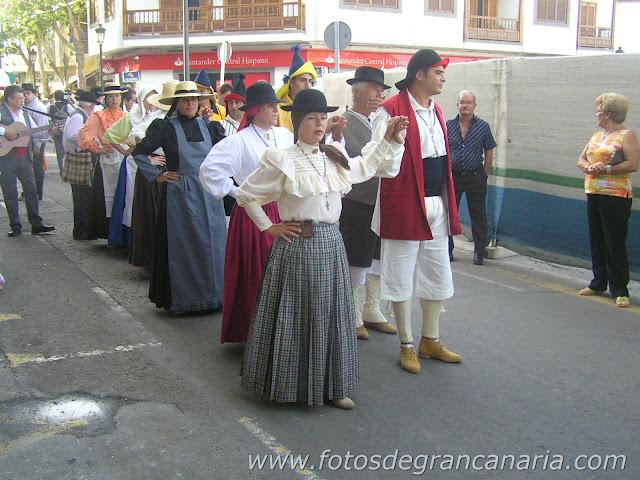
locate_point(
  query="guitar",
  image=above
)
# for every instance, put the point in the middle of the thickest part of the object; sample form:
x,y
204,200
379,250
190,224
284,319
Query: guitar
x,y
23,135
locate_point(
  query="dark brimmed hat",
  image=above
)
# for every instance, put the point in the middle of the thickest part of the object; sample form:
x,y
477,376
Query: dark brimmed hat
x,y
260,93
29,87
368,74
84,96
424,58
309,100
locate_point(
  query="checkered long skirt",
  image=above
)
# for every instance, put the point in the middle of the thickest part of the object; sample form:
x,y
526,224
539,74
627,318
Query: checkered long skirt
x,y
302,343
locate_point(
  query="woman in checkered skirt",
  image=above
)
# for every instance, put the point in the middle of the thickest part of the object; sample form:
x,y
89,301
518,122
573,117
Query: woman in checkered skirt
x,y
302,340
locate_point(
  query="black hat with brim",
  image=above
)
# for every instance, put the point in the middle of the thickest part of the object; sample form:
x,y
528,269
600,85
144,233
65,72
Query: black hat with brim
x,y
84,96
424,58
260,93
369,74
310,100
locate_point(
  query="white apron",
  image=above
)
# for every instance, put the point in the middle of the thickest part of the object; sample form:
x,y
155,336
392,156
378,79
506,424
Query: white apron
x,y
110,165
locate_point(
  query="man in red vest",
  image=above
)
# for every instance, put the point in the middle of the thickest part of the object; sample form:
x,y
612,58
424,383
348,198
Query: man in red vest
x,y
416,211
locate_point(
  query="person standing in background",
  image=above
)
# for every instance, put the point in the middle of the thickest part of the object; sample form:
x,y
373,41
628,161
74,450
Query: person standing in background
x,y
32,102
471,144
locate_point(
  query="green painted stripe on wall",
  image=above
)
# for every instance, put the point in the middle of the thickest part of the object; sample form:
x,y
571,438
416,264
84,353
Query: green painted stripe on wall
x,y
542,177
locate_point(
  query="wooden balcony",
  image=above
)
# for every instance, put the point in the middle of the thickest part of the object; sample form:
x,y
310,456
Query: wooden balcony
x,y
594,37
283,15
492,28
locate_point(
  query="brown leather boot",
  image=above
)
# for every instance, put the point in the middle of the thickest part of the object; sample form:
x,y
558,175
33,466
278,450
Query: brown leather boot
x,y
409,360
362,333
430,348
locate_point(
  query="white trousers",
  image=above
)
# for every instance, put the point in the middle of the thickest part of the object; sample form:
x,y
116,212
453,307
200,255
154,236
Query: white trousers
x,y
359,274
419,268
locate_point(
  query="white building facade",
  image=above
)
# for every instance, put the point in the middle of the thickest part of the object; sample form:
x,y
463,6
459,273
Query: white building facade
x,y
146,35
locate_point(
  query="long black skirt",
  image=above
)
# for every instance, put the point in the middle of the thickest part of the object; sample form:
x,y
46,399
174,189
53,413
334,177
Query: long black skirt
x,y
144,218
97,221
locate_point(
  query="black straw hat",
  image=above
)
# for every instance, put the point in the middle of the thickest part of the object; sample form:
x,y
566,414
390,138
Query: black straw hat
x,y
260,93
368,74
424,58
309,100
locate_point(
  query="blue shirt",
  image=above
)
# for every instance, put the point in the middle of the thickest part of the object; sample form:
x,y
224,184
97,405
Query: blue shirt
x,y
468,155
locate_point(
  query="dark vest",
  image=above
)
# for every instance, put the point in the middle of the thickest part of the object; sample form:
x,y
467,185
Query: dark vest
x,y
356,136
85,117
7,119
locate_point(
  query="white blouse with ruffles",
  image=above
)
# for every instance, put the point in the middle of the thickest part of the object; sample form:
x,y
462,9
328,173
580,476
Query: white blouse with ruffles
x,y
295,178
237,156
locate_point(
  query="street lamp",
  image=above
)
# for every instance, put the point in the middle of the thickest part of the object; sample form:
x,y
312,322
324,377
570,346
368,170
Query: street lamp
x,y
100,31
33,55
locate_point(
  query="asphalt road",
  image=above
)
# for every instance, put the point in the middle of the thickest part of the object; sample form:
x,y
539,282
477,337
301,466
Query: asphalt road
x,y
96,383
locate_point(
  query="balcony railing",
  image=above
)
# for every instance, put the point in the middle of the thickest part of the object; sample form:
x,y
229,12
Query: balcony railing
x,y
210,19
492,28
594,37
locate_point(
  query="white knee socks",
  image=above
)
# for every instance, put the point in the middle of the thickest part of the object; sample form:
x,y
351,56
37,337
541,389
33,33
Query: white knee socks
x,y
402,312
431,310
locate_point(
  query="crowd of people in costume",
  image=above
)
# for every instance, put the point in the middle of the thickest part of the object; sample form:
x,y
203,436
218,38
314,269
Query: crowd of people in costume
x,y
278,213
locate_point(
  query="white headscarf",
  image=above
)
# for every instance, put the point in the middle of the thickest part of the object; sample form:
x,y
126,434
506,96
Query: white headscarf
x,y
140,118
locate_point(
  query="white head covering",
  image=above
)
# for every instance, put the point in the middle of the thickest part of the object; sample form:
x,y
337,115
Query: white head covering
x,y
140,118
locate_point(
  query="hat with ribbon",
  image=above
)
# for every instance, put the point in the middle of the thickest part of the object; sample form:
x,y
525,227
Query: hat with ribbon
x,y
298,67
183,90
112,88
260,93
310,100
369,74
424,58
168,89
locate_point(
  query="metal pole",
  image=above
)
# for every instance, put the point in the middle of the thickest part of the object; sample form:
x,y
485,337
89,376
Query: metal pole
x,y
336,39
100,69
185,40
223,54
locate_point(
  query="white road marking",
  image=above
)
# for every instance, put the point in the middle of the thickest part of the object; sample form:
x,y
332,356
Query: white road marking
x,y
272,444
9,316
486,280
23,359
109,300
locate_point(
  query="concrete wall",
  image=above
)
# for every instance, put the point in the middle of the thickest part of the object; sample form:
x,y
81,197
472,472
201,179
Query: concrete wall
x,y
541,112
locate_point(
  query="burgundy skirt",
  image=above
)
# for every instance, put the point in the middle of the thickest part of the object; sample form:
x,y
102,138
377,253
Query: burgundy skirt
x,y
247,253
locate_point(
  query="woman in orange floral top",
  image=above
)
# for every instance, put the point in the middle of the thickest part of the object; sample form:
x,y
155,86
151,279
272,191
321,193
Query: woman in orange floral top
x,y
608,160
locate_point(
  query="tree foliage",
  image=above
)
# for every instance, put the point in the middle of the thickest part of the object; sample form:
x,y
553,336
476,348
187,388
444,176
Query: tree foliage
x,y
36,23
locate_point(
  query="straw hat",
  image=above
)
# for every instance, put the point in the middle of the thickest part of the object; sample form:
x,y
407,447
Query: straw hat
x,y
113,88
183,90
168,89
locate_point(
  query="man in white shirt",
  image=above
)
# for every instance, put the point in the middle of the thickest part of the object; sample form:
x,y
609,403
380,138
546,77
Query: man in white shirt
x,y
32,102
17,164
361,243
416,211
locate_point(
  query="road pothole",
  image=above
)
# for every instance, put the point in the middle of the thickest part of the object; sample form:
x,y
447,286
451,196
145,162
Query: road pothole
x,y
78,414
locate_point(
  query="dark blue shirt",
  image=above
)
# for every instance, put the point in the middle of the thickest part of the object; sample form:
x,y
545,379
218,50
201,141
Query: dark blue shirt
x,y
468,155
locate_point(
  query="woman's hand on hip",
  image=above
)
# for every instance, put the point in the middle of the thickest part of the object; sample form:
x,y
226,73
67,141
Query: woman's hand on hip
x,y
285,230
167,177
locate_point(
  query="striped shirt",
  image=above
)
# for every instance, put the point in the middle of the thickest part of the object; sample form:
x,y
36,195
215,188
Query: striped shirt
x,y
230,126
467,155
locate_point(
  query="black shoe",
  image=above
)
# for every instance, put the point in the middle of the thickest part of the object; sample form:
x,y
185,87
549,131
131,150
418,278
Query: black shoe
x,y
14,232
477,259
42,229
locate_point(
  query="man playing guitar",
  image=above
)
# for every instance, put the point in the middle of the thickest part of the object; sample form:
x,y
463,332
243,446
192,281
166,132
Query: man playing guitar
x,y
17,164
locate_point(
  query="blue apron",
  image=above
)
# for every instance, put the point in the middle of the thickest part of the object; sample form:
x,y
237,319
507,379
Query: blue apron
x,y
196,230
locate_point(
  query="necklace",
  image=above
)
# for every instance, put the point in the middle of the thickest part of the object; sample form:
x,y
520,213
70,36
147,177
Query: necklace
x,y
263,140
324,162
431,127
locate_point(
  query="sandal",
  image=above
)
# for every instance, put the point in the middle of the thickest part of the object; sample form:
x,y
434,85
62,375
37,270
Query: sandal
x,y
623,302
589,292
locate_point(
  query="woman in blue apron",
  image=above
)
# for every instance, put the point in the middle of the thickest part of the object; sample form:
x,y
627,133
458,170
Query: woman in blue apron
x,y
188,259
